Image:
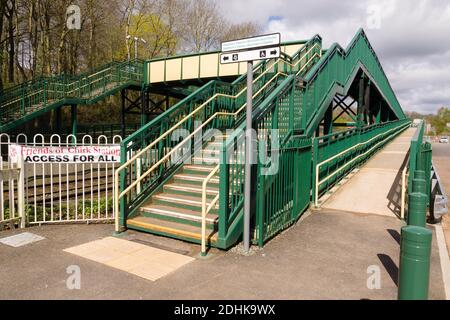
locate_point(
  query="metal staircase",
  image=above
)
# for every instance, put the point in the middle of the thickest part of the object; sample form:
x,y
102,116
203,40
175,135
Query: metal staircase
x,y
172,198
177,208
30,99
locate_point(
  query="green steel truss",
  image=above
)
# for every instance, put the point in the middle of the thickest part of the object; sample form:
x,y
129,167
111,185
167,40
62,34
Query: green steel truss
x,y
335,73
294,106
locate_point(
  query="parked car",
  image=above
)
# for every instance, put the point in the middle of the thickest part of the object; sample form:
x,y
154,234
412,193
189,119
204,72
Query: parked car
x,y
443,139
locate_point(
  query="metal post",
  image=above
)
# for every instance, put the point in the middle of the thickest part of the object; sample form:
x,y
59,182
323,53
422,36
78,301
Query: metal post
x,y
143,107
360,112
58,120
74,119
414,268
417,205
248,158
328,120
122,114
21,192
403,194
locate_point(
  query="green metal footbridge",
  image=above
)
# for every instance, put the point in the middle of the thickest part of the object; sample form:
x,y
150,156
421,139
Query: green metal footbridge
x,y
317,113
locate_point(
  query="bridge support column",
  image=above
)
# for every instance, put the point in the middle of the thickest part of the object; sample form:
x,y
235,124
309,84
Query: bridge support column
x,y
74,119
367,116
122,113
58,120
328,121
360,112
378,116
144,107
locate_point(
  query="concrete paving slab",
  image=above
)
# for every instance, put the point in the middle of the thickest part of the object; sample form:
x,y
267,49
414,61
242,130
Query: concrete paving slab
x,y
21,239
360,195
138,259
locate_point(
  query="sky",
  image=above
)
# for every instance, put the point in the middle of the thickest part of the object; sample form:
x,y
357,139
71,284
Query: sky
x,y
411,37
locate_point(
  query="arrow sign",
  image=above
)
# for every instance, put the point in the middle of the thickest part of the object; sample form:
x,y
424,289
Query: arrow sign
x,y
250,55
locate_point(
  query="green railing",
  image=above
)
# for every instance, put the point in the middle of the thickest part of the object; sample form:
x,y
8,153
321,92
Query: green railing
x,y
414,152
283,186
153,153
335,155
47,92
420,159
334,74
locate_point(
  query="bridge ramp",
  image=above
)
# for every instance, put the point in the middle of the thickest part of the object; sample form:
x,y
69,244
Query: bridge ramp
x,y
376,187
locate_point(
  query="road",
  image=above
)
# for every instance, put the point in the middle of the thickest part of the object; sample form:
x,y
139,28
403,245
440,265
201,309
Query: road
x,y
441,159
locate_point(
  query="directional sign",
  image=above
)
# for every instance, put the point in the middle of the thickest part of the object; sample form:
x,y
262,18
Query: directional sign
x,y
251,55
268,40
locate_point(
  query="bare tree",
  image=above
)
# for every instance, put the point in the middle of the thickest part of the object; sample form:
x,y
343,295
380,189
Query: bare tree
x,y
10,7
204,26
2,14
242,30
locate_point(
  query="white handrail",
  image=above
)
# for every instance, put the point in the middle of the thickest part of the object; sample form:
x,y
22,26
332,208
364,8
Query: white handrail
x,y
205,209
402,204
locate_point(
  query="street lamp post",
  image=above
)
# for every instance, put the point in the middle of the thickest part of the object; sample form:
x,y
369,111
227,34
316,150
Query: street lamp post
x,y
136,39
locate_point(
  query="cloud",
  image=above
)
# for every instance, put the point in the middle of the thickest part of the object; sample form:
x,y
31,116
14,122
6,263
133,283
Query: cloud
x,y
411,38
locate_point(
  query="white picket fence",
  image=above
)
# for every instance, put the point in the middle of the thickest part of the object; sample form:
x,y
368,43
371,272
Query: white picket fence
x,y
56,192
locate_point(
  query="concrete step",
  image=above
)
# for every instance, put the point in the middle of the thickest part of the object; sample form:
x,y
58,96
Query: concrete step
x,y
189,189
195,179
193,203
198,169
167,212
172,229
200,160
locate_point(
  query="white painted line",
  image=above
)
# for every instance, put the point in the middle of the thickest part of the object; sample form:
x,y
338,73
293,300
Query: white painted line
x,y
444,258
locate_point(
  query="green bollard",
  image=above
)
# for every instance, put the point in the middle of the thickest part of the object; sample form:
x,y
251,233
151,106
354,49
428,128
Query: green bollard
x,y
414,268
417,209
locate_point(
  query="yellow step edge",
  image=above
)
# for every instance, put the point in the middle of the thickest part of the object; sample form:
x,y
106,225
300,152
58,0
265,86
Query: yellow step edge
x,y
172,231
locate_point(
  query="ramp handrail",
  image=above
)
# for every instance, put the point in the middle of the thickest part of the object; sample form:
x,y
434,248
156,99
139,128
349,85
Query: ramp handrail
x,y
402,125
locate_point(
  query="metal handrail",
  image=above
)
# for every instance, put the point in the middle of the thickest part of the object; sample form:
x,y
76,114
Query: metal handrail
x,y
205,210
318,183
81,78
403,192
